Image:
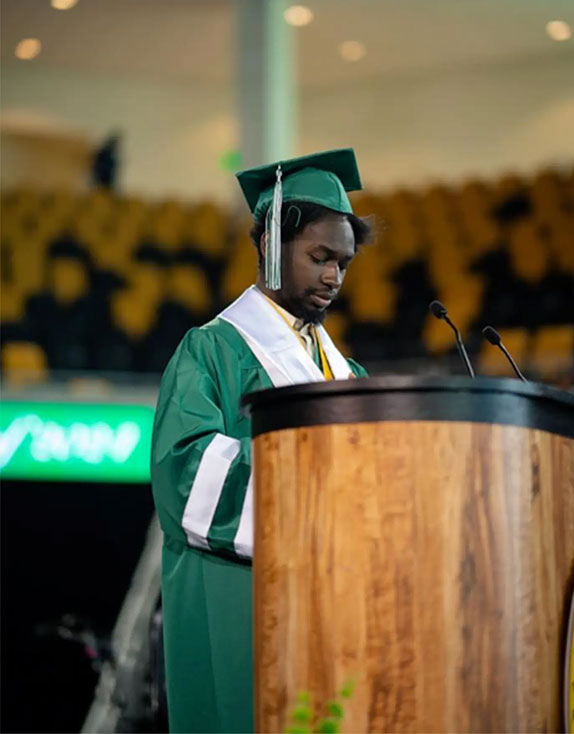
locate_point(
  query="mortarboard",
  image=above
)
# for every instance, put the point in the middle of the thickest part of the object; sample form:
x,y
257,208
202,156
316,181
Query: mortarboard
x,y
321,178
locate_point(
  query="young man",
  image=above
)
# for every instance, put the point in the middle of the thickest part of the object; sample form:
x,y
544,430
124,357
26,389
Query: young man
x,y
306,235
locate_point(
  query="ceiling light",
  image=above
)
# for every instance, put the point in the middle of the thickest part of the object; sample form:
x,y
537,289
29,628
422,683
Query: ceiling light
x,y
298,15
63,4
558,30
352,50
28,48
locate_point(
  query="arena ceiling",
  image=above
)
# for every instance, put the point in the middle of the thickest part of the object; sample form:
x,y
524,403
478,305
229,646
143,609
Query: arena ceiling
x,y
194,40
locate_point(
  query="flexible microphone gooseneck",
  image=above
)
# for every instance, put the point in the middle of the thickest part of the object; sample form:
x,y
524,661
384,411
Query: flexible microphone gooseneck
x,y
440,312
493,337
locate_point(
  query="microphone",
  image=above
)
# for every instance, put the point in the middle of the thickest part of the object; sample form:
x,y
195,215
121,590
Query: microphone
x,y
494,338
440,312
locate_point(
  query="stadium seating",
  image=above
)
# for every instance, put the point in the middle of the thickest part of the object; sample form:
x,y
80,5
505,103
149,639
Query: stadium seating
x,y
553,349
111,282
23,362
492,360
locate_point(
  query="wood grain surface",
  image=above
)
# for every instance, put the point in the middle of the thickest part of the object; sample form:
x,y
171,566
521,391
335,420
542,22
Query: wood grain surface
x,y
432,561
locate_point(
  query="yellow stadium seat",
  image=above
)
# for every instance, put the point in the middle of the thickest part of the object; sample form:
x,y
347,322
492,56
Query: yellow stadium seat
x,y
23,363
507,185
241,270
164,235
403,206
562,241
25,203
11,304
206,228
463,297
437,337
375,301
442,232
165,225
473,199
476,222
9,225
437,207
370,261
86,228
132,207
129,232
482,233
446,263
547,193
6,263
112,251
132,312
493,362
68,279
59,202
147,281
406,240
28,265
188,285
553,349
528,255
98,204
130,218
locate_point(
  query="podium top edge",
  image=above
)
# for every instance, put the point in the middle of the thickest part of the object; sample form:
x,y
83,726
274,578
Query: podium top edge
x,y
413,398
410,383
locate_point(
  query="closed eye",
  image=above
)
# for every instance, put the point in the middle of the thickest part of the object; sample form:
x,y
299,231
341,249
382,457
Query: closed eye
x,y
329,257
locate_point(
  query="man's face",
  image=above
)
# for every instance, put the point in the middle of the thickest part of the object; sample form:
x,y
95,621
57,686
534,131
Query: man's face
x,y
314,267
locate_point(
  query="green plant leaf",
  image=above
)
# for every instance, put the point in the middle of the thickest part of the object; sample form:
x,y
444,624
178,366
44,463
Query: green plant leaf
x,y
298,730
335,709
302,714
328,726
304,698
348,688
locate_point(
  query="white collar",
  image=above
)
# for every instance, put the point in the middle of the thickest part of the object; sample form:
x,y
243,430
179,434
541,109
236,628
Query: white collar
x,y
276,345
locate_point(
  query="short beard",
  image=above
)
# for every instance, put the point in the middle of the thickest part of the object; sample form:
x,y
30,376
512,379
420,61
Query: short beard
x,y
297,308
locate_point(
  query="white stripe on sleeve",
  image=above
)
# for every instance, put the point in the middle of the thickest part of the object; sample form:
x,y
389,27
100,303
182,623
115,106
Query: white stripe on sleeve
x,y
207,487
243,542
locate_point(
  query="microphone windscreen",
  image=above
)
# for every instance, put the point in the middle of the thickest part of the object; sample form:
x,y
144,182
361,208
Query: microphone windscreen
x,y
492,335
437,309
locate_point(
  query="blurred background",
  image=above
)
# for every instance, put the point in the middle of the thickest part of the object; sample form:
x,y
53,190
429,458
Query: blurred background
x,y
122,226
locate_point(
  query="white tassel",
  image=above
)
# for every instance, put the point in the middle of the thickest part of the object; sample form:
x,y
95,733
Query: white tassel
x,y
273,238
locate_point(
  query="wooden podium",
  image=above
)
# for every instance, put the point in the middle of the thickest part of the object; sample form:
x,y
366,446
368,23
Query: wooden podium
x,y
417,535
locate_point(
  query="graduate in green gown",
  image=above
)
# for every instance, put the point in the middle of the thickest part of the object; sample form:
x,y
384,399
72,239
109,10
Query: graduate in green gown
x,y
272,335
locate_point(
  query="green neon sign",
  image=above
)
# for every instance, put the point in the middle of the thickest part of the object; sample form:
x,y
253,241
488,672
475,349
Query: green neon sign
x,y
75,441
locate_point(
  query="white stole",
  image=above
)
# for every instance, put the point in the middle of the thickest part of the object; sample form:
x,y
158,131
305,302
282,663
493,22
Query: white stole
x,y
275,344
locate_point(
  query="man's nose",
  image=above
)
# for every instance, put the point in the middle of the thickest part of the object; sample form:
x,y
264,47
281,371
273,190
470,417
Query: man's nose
x,y
332,276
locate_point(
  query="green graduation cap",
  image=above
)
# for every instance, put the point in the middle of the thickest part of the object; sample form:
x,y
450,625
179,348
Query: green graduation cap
x,y
321,178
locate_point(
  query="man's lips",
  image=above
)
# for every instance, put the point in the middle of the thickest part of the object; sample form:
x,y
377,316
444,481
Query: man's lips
x,y
323,299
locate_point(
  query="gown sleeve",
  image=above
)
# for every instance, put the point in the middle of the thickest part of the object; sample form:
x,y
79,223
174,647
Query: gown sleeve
x,y
201,475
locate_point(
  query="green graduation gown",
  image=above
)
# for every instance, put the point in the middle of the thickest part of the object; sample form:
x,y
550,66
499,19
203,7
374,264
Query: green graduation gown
x,y
201,478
